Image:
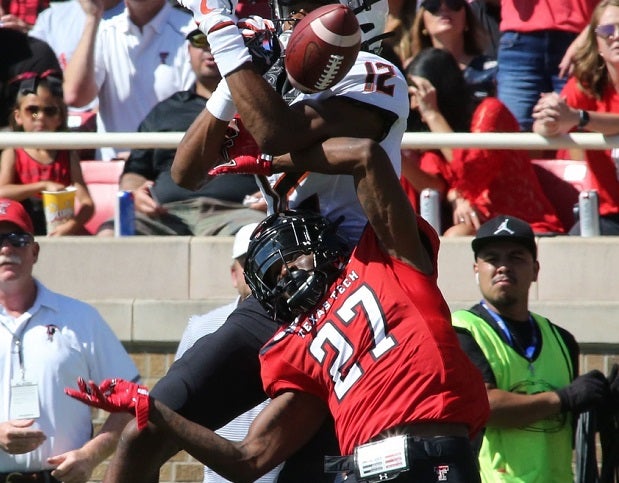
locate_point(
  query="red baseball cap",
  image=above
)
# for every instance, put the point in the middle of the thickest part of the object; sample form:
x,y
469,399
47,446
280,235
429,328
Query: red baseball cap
x,y
14,212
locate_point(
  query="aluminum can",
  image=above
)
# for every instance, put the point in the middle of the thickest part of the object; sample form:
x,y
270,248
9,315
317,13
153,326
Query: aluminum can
x,y
589,214
124,215
430,208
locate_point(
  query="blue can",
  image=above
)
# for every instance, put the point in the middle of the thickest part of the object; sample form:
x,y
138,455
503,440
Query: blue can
x,y
124,216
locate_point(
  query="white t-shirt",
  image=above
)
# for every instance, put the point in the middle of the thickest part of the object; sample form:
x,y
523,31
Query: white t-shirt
x,y
61,26
235,430
375,81
135,69
61,339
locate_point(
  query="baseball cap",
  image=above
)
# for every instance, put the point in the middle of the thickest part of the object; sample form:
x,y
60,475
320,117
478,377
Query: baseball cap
x,y
505,228
14,212
241,240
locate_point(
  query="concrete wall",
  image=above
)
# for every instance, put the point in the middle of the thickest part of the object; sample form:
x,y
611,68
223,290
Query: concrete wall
x,y
146,287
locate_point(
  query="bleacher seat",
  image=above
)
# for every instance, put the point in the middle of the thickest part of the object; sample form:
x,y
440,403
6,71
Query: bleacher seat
x,y
562,180
102,178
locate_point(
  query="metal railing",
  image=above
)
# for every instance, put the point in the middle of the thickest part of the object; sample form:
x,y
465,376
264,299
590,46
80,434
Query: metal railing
x,y
49,140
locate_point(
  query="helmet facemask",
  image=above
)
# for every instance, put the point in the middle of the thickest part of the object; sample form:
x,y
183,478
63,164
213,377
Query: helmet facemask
x,y
288,291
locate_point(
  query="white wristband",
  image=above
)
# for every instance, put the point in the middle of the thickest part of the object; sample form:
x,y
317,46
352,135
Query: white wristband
x,y
220,104
228,48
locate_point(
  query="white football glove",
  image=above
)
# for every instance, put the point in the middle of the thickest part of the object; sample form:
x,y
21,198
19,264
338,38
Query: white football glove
x,y
261,41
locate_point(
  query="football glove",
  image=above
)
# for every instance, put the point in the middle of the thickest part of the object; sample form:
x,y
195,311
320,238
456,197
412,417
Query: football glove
x,y
240,153
114,396
261,40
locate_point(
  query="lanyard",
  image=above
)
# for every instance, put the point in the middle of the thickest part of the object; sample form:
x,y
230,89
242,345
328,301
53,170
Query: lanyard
x,y
528,351
18,340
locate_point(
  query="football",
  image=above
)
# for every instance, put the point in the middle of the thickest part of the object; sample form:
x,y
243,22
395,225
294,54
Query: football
x,y
322,48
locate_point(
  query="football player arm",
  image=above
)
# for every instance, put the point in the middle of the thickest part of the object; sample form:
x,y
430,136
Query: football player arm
x,y
279,128
198,151
379,191
287,423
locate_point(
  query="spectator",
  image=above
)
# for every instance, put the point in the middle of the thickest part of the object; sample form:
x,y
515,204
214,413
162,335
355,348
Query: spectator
x,y
161,206
482,182
230,353
400,383
62,24
535,36
26,172
20,15
48,340
131,62
451,25
200,325
590,101
26,54
529,365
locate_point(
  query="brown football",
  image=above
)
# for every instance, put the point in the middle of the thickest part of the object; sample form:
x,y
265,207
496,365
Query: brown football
x,y
322,48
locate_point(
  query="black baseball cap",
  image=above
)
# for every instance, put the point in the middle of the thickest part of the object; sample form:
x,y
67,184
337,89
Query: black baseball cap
x,y
505,228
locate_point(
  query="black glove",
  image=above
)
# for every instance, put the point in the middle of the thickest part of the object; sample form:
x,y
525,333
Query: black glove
x,y
585,392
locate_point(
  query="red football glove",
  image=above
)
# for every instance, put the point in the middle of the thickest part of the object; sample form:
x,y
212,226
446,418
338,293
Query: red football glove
x,y
240,153
114,396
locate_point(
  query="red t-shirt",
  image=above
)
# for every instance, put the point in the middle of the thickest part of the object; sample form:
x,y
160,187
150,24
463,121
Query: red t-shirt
x,y
27,10
604,171
29,170
382,351
502,181
542,15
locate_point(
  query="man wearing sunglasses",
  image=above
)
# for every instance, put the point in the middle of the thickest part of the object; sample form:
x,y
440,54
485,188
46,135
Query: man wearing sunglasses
x,y
46,340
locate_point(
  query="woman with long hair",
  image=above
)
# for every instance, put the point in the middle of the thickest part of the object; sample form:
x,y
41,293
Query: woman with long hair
x,y
589,101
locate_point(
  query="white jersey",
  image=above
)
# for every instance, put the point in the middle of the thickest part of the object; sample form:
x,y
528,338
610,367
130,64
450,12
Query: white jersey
x,y
135,69
374,81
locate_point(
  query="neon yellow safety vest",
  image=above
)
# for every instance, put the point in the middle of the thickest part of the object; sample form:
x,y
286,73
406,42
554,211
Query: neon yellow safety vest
x,y
541,452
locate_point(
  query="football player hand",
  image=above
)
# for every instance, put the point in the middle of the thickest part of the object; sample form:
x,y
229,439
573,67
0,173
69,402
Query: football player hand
x,y
260,39
240,153
114,396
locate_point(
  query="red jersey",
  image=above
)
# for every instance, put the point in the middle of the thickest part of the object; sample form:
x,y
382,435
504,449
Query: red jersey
x,y
29,170
541,15
603,168
380,351
502,181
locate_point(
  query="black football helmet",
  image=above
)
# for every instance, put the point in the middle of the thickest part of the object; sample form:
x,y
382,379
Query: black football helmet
x,y
278,240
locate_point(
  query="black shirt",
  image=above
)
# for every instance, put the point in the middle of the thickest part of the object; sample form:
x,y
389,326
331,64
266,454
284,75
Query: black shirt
x,y
176,113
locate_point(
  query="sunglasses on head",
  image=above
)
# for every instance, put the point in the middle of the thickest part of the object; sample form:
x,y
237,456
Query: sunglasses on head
x,y
16,239
49,111
607,30
433,6
198,40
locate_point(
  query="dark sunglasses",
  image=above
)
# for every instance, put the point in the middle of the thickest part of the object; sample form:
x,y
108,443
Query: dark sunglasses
x,y
49,111
433,6
608,30
16,239
198,40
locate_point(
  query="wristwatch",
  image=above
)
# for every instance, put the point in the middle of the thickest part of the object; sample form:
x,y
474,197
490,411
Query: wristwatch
x,y
583,118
